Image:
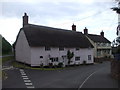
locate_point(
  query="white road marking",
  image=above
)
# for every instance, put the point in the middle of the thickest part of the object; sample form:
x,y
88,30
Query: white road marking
x,y
7,68
28,83
24,76
87,79
30,87
27,80
21,70
22,73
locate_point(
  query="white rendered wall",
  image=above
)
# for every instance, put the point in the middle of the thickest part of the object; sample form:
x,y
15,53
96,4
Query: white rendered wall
x,y
22,49
36,52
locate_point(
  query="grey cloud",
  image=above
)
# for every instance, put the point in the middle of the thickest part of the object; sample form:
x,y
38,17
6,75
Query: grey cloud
x,y
44,11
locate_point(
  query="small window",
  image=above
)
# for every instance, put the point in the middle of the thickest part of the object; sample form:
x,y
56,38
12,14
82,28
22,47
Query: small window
x,y
47,48
54,59
89,57
98,44
51,58
77,58
61,48
41,56
77,49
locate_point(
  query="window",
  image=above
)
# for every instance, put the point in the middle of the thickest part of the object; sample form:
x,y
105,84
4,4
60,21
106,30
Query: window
x,y
77,49
104,44
54,59
77,58
89,57
98,52
41,56
51,58
61,48
47,48
98,44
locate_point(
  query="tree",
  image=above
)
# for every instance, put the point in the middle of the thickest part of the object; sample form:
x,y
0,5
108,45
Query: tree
x,y
117,41
6,46
69,56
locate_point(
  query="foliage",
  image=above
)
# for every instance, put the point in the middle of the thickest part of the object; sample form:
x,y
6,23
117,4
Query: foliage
x,y
60,64
50,65
84,62
6,46
4,59
69,56
21,65
118,49
117,44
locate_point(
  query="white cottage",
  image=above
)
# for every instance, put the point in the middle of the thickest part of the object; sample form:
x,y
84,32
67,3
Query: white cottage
x,y
102,46
36,45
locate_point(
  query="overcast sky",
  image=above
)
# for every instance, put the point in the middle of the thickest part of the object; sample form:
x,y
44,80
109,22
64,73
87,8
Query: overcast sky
x,y
96,15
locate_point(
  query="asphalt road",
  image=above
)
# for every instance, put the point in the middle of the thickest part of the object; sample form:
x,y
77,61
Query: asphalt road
x,y
89,76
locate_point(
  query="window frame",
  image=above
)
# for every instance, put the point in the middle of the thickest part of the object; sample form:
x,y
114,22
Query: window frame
x,y
76,58
47,48
89,57
41,57
61,48
77,49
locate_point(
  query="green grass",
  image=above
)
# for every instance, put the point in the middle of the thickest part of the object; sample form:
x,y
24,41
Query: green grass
x,y
3,75
20,65
4,59
0,74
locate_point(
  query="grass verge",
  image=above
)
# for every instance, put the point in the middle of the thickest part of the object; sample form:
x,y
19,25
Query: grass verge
x,y
4,59
3,75
20,65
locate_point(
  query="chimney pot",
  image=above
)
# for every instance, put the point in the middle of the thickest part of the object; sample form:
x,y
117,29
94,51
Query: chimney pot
x,y
73,27
102,33
25,19
85,31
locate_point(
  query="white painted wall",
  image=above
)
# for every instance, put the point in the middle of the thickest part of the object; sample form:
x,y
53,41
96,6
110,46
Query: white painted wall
x,y
31,55
22,49
36,52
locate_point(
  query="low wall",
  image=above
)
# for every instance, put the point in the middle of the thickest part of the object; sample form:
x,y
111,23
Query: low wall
x,y
115,69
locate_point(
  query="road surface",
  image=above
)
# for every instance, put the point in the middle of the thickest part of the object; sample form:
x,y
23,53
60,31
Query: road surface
x,y
84,76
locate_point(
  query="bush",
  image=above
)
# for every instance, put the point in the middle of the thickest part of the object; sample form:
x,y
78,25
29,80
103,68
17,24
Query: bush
x,y
60,64
84,62
50,64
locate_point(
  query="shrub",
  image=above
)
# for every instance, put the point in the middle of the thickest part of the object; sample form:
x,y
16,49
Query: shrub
x,y
84,62
50,64
60,64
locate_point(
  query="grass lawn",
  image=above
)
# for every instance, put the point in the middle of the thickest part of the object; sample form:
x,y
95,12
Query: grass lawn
x,y
4,59
3,75
0,74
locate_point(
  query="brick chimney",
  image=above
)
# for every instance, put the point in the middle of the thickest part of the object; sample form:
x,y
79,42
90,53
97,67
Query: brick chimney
x,y
85,31
102,33
73,27
25,19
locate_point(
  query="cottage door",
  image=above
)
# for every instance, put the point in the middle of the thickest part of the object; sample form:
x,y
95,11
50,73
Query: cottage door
x,y
41,61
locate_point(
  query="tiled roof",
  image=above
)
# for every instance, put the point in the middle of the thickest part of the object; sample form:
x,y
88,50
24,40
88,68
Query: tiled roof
x,y
98,38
